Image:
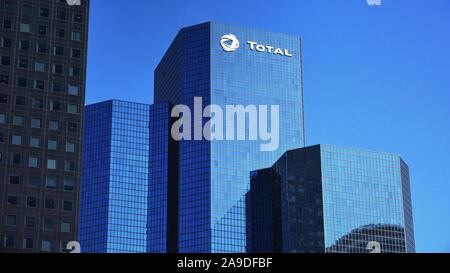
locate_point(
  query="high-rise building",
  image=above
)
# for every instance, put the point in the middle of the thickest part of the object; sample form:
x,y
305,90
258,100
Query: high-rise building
x,y
227,65
43,49
331,199
163,182
114,189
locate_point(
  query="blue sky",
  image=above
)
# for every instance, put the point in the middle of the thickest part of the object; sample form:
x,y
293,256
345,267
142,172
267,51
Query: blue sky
x,y
375,77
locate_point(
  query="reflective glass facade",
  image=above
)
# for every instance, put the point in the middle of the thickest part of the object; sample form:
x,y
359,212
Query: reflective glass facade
x,y
214,175
366,193
163,182
114,190
335,199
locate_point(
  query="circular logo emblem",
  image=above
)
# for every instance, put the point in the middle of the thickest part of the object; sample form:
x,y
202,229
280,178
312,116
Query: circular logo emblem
x,y
229,43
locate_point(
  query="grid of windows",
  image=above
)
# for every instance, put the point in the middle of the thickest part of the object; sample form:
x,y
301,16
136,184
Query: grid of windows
x,y
35,107
212,181
115,178
363,201
214,175
333,199
163,181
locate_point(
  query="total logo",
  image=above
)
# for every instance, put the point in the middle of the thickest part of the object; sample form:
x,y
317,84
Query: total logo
x,y
230,43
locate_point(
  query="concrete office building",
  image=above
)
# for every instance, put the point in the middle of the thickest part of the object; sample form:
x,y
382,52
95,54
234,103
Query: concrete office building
x,y
43,49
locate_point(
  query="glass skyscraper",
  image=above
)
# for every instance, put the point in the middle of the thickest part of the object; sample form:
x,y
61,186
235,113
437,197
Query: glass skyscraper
x,y
227,65
331,199
43,51
114,189
163,182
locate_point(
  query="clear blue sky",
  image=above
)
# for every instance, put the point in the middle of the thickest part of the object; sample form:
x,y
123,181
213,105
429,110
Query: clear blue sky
x,y
375,77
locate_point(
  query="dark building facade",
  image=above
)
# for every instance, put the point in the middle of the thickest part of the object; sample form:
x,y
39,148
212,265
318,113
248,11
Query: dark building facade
x,y
114,189
331,199
163,189
222,65
43,49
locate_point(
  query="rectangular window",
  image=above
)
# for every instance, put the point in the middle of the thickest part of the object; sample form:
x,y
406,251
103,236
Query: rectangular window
x,y
16,159
58,51
7,24
41,48
74,90
31,202
74,71
75,53
52,145
35,142
50,183
24,45
76,36
72,108
5,60
57,87
53,125
67,206
61,15
30,222
25,28
69,184
70,166
66,227
13,200
78,18
42,30
3,98
16,140
55,106
22,82
14,179
46,246
18,120
51,164
4,80
39,85
23,63
57,69
37,103
39,67
11,220
60,33
28,243
9,6
9,242
33,182
27,9
70,147
72,127
33,162
44,12
21,100
48,224
36,123
49,203
6,42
